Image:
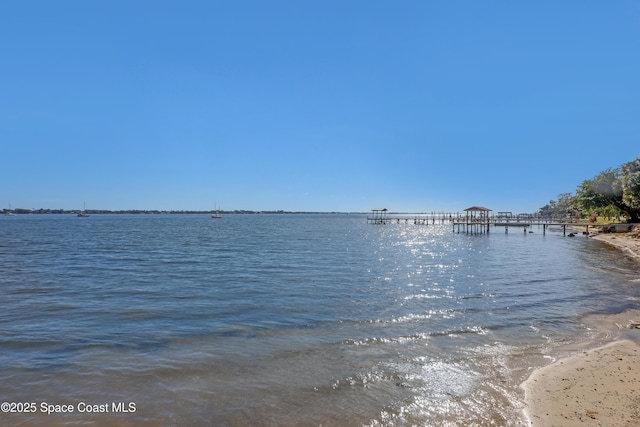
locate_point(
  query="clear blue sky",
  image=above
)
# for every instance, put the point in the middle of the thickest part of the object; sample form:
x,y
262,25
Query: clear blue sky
x,y
313,105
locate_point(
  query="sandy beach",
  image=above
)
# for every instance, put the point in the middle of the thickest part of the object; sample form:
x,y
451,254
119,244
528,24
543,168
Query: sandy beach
x,y
598,387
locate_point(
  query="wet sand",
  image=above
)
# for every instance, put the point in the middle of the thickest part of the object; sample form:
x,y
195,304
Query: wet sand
x,y
623,241
599,387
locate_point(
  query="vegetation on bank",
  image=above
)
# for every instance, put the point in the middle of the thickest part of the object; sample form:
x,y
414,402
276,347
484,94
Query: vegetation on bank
x,y
612,194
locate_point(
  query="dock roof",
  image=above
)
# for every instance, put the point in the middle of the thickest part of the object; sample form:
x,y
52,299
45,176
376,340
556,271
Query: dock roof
x,y
477,209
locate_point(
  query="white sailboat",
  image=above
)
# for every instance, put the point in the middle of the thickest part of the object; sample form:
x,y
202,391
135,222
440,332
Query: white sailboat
x,y
10,212
84,213
216,214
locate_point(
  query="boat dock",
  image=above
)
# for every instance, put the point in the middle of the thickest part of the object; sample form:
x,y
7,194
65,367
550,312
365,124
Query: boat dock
x,y
382,217
478,220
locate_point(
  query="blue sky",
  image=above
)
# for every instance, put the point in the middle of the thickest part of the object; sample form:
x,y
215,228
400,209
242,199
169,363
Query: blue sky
x,y
313,105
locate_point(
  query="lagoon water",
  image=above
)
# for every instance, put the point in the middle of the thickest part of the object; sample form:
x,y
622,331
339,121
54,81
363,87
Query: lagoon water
x,y
289,320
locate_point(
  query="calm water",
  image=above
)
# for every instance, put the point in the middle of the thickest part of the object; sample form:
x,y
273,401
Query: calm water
x,y
288,320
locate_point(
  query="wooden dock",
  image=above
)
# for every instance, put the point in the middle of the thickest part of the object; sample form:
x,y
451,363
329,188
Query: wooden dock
x,y
544,223
477,220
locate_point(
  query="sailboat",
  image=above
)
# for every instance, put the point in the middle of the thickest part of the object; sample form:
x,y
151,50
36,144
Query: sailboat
x,y
9,212
216,214
84,213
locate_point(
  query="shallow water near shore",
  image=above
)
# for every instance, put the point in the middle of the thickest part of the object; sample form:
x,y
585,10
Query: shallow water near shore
x,y
289,320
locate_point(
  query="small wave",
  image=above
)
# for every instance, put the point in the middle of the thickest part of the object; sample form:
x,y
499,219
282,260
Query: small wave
x,y
475,330
422,296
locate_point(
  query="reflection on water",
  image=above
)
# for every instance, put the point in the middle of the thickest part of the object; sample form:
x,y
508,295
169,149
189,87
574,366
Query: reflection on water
x,y
290,319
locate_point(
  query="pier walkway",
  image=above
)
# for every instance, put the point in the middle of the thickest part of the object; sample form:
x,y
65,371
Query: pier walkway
x,y
478,221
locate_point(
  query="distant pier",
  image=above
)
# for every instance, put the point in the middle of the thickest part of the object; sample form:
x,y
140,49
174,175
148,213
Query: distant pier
x,y
477,220
382,216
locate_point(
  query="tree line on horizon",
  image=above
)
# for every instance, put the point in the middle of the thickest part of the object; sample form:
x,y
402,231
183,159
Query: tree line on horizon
x,y
613,193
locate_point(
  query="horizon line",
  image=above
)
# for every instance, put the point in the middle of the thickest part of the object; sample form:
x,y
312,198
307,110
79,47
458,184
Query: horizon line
x,y
231,211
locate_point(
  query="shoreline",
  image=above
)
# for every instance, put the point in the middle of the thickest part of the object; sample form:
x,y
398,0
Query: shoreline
x,y
623,241
596,387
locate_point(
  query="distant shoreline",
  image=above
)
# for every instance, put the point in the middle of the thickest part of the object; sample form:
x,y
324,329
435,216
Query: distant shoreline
x,y
170,212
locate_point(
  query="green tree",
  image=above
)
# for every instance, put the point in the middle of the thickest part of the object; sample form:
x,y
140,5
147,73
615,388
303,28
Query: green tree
x,y
562,207
603,190
631,187
613,190
547,210
565,204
